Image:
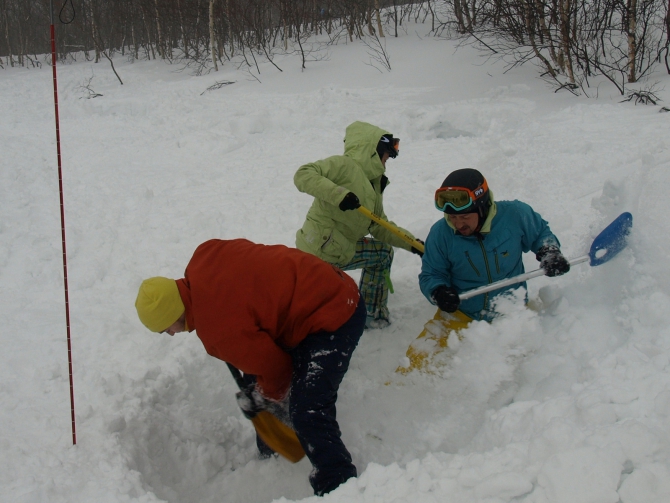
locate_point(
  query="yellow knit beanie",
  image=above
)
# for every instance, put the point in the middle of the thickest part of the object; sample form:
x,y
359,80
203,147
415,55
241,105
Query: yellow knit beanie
x,y
158,303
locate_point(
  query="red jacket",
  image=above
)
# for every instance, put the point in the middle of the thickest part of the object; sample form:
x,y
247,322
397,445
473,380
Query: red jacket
x,y
249,302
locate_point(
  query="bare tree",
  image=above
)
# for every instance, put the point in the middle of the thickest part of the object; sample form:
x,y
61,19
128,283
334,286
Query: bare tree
x,y
212,36
377,52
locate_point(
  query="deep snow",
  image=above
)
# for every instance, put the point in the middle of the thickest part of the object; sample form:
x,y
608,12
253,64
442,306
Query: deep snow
x,y
566,405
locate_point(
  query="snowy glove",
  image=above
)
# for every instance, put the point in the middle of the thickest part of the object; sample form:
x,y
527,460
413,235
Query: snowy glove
x,y
446,298
416,250
251,402
350,202
552,260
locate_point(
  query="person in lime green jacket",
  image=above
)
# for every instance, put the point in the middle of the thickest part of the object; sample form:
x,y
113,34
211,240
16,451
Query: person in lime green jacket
x,y
335,232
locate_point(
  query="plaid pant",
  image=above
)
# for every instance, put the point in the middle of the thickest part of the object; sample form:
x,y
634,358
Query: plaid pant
x,y
375,258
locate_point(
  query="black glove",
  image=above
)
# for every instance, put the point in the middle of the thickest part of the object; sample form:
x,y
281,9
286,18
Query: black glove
x,y
350,202
416,251
446,298
552,260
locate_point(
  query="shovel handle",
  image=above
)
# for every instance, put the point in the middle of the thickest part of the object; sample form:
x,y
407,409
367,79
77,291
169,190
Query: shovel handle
x,y
512,281
237,375
389,226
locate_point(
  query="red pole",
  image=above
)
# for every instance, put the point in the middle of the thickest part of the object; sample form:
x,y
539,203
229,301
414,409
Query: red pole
x,y
62,224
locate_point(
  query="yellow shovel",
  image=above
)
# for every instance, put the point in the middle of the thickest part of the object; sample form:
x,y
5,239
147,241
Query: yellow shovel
x,y
276,435
433,340
389,226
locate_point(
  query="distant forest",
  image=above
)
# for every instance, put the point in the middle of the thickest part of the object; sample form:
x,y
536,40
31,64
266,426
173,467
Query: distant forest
x,y
570,41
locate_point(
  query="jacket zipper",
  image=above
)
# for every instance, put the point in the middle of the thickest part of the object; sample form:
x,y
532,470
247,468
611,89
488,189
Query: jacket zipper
x,y
495,254
488,269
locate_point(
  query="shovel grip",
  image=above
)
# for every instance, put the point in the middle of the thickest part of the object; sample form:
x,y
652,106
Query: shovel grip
x,y
237,375
389,226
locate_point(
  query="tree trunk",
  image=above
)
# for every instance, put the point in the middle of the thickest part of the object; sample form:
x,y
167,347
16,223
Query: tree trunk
x,y
184,40
395,18
468,17
458,13
539,9
564,6
230,30
159,32
531,36
432,13
94,32
132,35
149,41
315,20
10,57
631,7
379,18
212,35
368,15
196,35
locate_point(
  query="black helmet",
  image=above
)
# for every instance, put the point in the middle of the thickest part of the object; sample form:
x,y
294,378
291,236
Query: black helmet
x,y
388,145
475,197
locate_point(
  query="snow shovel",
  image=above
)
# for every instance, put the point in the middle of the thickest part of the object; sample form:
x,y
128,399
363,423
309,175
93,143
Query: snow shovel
x,y
389,226
276,435
605,247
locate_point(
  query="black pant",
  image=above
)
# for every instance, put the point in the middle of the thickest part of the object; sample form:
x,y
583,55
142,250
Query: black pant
x,y
319,364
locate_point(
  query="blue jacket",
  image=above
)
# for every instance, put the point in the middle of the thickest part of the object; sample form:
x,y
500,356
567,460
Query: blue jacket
x,y
451,259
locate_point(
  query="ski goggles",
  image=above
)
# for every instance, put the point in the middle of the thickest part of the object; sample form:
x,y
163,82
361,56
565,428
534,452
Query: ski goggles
x,y
395,146
392,146
458,198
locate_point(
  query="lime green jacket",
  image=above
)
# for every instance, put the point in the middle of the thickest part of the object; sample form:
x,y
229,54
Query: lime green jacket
x,y
328,232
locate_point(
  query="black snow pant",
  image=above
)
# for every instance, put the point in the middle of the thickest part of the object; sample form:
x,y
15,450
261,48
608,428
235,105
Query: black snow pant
x,y
319,364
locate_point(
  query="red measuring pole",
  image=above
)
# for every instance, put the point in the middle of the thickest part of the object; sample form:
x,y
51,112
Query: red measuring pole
x,y
62,223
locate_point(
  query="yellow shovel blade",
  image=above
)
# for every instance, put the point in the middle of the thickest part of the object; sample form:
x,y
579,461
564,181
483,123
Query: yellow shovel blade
x,y
278,437
433,340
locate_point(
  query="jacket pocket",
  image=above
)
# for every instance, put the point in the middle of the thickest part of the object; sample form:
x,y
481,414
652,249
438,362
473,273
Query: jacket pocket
x,y
472,264
311,238
335,249
504,253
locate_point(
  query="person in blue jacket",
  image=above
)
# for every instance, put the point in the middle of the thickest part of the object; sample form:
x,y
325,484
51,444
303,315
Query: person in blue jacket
x,y
481,241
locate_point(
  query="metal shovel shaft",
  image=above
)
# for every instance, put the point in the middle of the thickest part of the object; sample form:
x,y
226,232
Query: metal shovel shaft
x,y
512,281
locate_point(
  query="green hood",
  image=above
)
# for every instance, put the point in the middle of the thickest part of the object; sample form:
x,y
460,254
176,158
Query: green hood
x,y
360,143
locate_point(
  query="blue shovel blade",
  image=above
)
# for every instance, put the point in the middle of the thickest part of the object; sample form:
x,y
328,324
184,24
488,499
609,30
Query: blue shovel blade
x,y
611,240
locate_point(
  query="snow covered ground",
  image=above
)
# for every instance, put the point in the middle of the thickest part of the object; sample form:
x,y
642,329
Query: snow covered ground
x,y
567,405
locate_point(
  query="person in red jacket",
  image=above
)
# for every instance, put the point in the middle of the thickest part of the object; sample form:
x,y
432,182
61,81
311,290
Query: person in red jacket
x,y
279,314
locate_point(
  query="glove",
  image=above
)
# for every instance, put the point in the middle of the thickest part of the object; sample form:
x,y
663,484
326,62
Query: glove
x,y
251,402
552,260
416,251
446,298
350,202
